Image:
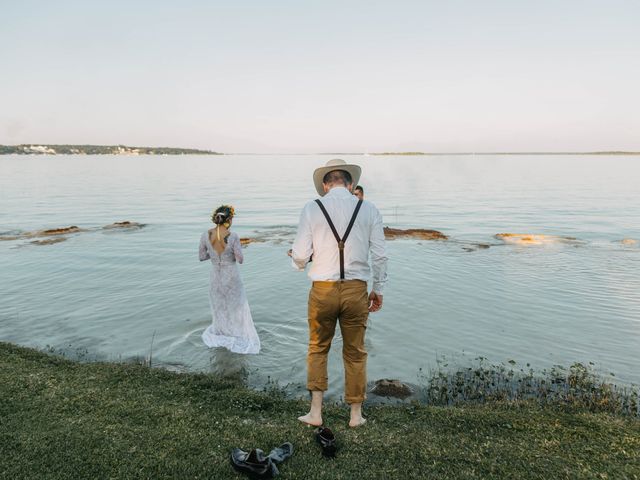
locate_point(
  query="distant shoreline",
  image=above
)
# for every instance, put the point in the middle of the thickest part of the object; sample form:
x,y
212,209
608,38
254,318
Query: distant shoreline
x,y
51,149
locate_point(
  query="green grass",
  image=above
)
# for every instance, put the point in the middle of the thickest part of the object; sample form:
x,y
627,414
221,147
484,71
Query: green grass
x,y
578,386
62,419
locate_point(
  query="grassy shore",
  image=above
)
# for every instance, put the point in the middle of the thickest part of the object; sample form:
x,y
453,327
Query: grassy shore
x,y
62,419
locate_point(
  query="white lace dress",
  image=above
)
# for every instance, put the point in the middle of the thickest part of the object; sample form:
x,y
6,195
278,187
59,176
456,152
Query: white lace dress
x,y
232,325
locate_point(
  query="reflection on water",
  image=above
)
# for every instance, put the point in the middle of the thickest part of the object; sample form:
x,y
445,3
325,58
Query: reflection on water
x,y
120,293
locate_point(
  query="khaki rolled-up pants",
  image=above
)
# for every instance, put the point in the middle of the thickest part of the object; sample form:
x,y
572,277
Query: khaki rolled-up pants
x,y
345,301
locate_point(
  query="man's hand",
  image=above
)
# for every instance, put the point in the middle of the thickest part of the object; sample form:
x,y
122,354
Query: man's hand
x,y
375,302
290,253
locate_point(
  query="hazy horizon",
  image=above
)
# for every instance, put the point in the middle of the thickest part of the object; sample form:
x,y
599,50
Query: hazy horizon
x,y
315,77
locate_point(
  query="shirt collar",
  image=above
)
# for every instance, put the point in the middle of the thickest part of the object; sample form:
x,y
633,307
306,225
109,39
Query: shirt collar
x,y
338,192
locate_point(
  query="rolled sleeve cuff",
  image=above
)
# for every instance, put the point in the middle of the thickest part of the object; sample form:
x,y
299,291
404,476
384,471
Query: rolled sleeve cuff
x,y
298,266
378,288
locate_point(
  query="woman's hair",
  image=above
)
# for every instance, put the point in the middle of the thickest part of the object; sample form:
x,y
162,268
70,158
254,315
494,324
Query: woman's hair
x,y
222,214
219,218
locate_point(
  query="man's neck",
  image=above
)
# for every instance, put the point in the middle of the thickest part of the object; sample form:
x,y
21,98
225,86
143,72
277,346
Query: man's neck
x,y
337,189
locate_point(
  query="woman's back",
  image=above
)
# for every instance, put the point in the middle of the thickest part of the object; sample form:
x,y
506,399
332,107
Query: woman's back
x,y
219,238
224,251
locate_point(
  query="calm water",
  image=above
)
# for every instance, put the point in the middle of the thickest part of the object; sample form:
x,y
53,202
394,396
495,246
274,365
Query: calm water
x,y
111,292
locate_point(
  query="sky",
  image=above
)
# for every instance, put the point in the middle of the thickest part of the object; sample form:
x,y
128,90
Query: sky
x,y
275,76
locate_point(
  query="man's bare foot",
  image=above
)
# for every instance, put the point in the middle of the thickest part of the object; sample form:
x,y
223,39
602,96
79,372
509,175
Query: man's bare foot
x,y
357,422
311,420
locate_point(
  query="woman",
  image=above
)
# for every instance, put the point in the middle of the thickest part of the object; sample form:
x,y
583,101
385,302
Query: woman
x,y
232,325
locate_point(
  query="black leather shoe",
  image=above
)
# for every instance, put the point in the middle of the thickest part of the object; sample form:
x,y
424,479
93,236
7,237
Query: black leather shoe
x,y
253,463
327,440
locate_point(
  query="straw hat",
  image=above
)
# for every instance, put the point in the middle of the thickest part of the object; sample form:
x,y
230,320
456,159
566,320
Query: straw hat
x,y
336,164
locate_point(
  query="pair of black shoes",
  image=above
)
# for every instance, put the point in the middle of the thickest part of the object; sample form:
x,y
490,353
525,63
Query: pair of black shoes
x,y
258,465
327,440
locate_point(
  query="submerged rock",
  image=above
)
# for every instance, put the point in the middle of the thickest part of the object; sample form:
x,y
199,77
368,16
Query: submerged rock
x,y
418,233
9,237
391,388
244,241
48,241
533,238
57,233
474,247
125,224
54,231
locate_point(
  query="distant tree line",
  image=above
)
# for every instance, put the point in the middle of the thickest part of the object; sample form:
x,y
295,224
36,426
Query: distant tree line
x,y
47,149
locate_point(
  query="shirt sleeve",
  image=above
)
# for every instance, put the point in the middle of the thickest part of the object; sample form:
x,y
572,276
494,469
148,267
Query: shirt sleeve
x,y
303,244
378,251
237,248
203,252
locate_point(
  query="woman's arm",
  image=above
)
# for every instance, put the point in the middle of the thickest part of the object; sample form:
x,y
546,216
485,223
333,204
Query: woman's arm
x,y
203,252
237,248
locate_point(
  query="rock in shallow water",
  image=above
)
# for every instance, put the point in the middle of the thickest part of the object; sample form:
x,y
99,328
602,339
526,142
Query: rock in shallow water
x,y
125,224
54,231
418,233
391,388
474,247
533,239
59,232
48,241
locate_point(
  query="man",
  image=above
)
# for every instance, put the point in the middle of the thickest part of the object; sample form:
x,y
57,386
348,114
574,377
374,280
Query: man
x,y
340,232
359,192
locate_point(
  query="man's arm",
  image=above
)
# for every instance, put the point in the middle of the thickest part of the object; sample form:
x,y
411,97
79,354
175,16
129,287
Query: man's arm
x,y
303,244
378,251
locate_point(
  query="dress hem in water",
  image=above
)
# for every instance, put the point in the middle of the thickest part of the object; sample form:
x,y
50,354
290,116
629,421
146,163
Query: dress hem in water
x,y
233,344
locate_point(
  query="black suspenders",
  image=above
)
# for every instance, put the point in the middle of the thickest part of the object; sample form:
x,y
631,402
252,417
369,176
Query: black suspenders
x,y
335,232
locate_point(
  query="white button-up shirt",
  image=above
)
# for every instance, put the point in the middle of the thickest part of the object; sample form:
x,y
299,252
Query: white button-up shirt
x,y
315,238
